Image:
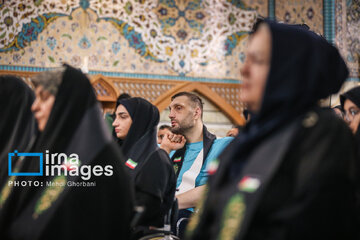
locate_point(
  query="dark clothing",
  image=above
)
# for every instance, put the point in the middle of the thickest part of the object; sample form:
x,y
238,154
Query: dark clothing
x,y
99,212
17,126
63,211
292,172
208,140
155,187
149,167
311,195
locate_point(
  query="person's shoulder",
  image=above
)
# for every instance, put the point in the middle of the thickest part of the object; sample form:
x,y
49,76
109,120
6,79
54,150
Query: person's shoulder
x,y
324,120
219,145
322,126
161,152
223,141
160,156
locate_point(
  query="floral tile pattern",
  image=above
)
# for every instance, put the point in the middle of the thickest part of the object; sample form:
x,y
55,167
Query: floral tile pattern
x,y
347,36
192,38
309,12
24,20
261,6
173,37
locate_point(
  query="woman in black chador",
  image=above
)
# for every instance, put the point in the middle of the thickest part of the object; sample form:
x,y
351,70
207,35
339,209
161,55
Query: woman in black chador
x,y
17,125
149,167
62,205
291,173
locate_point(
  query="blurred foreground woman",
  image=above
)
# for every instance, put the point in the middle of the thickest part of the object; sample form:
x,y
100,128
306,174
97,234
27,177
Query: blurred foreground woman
x,y
63,205
17,125
291,173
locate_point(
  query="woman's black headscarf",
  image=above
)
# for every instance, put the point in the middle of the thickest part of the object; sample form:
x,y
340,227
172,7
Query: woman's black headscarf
x,y
304,69
140,141
66,116
75,125
353,95
17,125
121,97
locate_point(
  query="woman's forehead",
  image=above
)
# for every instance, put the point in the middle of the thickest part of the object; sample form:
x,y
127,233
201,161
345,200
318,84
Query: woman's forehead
x,y
260,41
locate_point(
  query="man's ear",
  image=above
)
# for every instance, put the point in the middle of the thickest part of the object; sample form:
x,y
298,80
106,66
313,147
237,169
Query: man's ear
x,y
197,113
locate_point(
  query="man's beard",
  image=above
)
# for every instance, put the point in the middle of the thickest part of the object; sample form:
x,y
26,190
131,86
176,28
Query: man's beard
x,y
181,128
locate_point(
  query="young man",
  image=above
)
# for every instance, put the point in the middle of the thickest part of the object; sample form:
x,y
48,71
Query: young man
x,y
163,129
190,159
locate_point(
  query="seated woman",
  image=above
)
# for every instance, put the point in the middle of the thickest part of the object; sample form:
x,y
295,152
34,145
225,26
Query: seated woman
x,y
149,167
291,173
82,191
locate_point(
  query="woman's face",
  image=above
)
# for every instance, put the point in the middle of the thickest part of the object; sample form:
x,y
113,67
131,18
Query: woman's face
x,y
351,116
42,106
256,68
122,122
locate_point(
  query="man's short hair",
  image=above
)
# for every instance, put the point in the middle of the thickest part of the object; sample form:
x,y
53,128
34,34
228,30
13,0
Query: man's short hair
x,y
195,99
162,127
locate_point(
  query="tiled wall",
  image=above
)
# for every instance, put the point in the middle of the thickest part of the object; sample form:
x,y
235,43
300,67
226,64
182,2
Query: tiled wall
x,y
182,39
198,40
347,34
304,11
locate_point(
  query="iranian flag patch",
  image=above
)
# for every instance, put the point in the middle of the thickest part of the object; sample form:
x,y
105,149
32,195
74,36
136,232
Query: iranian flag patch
x,y
213,166
178,159
249,184
131,164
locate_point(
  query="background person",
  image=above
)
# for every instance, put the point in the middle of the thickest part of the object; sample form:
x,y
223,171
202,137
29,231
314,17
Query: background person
x,y
148,166
163,129
191,159
350,102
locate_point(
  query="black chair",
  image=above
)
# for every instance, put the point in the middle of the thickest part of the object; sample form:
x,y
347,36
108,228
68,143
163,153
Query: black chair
x,y
160,233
